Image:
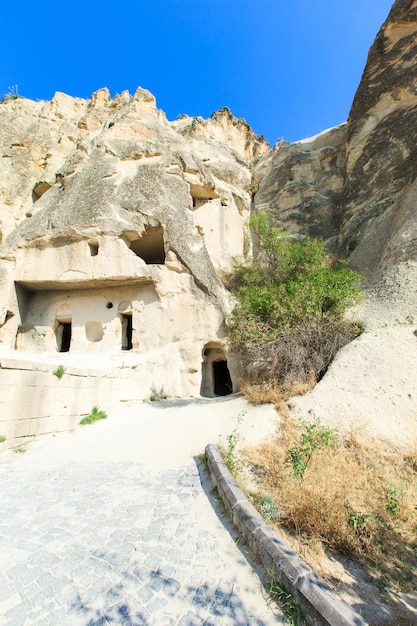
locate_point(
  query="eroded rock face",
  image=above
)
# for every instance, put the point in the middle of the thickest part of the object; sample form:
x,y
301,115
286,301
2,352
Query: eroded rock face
x,y
117,225
302,183
353,185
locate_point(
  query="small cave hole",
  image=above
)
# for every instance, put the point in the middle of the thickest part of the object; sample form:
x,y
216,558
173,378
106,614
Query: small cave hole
x,y
150,247
109,305
93,247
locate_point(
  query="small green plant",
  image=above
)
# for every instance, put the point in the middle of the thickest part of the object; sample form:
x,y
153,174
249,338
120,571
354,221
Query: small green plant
x,y
134,367
95,415
157,394
266,506
59,372
2,438
214,490
19,449
314,437
392,500
204,461
12,94
233,464
292,612
357,521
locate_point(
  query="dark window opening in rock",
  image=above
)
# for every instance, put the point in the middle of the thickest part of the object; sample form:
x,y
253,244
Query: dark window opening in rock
x,y
63,336
150,247
39,189
127,331
93,247
109,305
221,378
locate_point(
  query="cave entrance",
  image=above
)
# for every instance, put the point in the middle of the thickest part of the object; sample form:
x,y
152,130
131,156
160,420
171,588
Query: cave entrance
x,y
63,336
222,382
127,331
216,379
63,327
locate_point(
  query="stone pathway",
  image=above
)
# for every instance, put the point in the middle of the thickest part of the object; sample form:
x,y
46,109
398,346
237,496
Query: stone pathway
x,y
87,539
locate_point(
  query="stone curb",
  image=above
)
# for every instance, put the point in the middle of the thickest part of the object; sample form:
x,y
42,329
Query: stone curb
x,y
320,603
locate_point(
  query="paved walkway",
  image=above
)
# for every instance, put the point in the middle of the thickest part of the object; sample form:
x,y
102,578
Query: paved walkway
x,y
113,524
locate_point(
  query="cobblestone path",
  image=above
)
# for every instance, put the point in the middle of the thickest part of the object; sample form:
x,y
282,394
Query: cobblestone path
x,y
89,541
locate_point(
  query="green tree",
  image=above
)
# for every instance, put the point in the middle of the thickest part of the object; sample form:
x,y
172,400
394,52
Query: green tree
x,y
291,299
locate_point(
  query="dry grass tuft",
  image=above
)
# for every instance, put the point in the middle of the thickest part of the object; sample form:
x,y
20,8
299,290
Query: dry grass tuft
x,y
411,458
262,394
274,393
359,500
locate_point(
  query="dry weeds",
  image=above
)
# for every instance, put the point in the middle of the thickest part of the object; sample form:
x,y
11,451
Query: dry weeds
x,y
275,393
357,499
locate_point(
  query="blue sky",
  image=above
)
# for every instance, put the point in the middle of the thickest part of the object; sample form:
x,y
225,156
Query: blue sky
x,y
289,68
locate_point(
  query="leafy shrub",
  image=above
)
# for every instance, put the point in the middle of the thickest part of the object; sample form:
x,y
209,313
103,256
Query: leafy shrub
x,y
313,437
2,438
288,323
95,415
393,499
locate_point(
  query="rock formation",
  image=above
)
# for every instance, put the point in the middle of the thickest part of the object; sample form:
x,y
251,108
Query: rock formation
x,y
361,180
117,227
353,185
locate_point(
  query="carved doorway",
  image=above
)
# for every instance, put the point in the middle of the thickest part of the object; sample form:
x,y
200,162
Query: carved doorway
x,y
215,375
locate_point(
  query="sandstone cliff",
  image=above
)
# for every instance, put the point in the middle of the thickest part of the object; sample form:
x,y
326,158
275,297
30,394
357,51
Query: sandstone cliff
x,y
117,226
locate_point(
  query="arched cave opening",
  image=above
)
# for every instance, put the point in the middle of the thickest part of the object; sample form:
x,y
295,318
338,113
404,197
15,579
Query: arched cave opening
x,y
63,327
215,375
63,336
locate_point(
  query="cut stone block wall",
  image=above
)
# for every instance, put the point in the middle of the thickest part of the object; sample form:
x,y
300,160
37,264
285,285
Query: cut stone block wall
x,y
33,401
